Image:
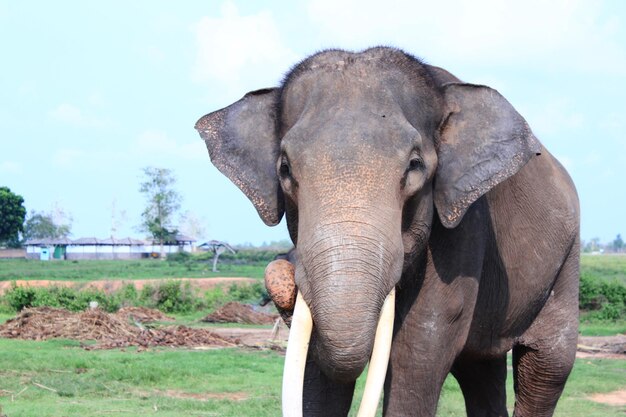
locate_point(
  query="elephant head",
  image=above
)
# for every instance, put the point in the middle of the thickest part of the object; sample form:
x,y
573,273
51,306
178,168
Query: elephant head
x,y
360,150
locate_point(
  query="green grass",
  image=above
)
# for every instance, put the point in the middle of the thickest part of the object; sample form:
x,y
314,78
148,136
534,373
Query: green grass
x,y
27,269
226,382
601,328
604,267
106,383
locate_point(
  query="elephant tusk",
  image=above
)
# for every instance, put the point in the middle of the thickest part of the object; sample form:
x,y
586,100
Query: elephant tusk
x,y
295,358
377,371
298,346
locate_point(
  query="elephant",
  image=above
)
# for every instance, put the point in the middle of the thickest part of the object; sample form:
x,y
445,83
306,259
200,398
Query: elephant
x,y
422,210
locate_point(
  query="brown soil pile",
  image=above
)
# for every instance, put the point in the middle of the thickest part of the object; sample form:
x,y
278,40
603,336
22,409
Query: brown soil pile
x,y
234,312
109,330
142,314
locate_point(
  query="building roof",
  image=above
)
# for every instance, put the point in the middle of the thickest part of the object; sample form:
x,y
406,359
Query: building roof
x,y
48,241
85,241
184,238
127,241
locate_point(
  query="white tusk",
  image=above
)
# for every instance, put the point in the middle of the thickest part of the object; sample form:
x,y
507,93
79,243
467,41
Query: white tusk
x,y
295,358
377,371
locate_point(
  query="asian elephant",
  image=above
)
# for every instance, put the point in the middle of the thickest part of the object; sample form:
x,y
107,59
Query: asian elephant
x,y
395,176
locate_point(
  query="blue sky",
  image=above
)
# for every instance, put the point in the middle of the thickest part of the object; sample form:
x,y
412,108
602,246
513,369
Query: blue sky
x,y
91,92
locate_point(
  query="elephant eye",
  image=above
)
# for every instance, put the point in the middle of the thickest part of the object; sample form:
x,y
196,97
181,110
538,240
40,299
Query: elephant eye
x,y
415,163
284,170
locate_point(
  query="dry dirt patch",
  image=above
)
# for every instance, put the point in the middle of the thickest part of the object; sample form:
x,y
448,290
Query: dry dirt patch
x,y
610,347
109,286
616,398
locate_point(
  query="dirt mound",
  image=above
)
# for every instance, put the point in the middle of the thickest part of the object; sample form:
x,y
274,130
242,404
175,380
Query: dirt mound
x,y
615,398
109,330
173,336
234,312
142,314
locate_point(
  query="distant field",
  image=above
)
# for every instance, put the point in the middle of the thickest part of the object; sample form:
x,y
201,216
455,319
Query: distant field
x,y
606,267
14,269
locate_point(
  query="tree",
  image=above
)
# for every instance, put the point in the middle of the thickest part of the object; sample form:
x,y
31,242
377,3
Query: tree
x,y
12,214
43,226
618,243
162,202
191,225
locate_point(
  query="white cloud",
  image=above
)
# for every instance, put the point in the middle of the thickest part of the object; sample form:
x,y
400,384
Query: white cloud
x,y
74,116
560,34
240,52
67,113
158,143
66,158
10,167
555,115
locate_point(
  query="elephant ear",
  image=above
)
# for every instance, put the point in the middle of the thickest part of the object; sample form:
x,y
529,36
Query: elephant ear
x,y
483,141
244,146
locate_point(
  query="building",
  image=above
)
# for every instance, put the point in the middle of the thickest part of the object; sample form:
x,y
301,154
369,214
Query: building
x,y
109,248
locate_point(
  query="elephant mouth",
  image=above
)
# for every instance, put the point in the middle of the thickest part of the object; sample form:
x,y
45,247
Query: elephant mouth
x,y
298,345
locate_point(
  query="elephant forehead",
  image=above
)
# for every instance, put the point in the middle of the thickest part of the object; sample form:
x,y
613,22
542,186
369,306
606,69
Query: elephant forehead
x,y
378,82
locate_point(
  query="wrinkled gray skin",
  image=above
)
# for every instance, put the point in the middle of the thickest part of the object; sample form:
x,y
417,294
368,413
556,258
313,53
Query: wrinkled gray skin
x,y
393,173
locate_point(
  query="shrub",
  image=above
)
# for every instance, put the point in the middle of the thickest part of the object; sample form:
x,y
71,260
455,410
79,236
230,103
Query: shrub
x,y
242,257
606,300
247,293
19,298
170,297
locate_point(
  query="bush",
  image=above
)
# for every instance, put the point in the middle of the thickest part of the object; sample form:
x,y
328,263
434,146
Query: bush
x,y
247,293
179,257
19,298
606,300
167,296
242,257
170,297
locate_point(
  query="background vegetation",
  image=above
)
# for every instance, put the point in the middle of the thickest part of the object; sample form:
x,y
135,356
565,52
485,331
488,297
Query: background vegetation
x,y
57,377
602,284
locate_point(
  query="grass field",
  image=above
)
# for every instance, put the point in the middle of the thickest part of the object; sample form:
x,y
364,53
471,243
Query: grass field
x,y
606,267
13,269
58,378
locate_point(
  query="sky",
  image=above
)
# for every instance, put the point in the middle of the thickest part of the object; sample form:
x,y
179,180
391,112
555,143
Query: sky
x,y
92,92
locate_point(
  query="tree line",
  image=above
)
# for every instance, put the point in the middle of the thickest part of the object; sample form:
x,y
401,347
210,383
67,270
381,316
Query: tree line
x,y
162,204
596,246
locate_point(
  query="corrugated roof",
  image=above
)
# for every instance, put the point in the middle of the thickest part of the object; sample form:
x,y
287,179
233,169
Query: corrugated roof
x,y
85,241
121,241
48,241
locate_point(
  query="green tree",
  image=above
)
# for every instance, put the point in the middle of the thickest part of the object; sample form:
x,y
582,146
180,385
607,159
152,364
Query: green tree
x,y
12,215
618,243
40,225
162,203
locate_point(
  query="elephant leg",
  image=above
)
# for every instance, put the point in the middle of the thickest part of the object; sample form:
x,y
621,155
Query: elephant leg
x,y
323,397
545,354
425,346
483,382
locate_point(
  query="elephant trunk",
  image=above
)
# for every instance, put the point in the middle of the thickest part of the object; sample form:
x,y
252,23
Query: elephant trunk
x,y
345,277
